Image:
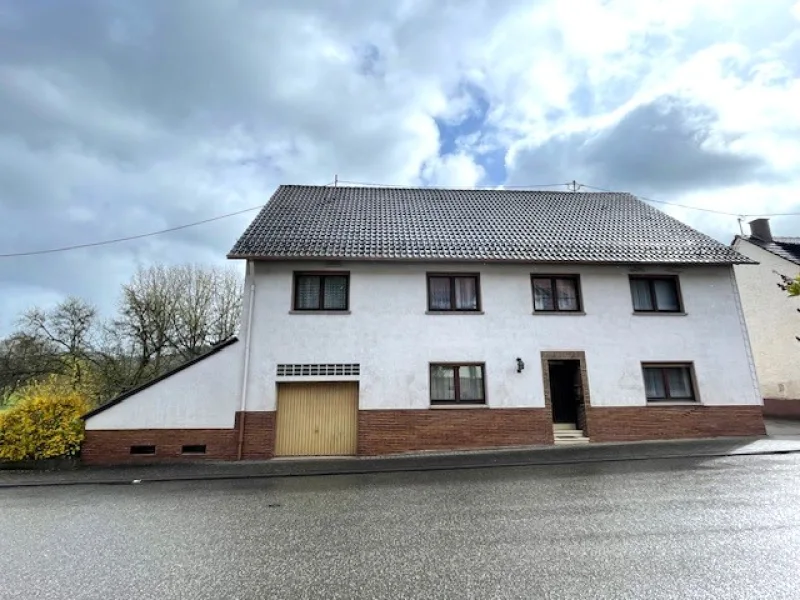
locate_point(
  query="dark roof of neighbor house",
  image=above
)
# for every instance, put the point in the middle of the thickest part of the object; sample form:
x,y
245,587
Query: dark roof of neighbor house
x,y
377,223
785,247
211,351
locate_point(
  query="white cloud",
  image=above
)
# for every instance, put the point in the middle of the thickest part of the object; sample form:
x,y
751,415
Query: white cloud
x,y
124,118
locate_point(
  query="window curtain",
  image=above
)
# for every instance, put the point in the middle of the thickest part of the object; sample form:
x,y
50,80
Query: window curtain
x,y
470,380
308,287
542,294
440,293
443,383
567,294
654,383
680,383
466,293
335,293
642,298
666,294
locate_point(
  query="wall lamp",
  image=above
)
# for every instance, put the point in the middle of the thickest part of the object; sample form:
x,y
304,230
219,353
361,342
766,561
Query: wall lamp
x,y
520,365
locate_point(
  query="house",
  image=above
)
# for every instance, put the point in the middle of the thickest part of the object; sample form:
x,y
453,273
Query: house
x,y
389,320
771,316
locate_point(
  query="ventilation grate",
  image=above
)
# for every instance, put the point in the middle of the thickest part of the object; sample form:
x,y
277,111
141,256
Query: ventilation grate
x,y
318,370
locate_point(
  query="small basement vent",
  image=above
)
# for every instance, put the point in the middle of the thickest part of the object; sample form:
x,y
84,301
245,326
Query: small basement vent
x,y
318,370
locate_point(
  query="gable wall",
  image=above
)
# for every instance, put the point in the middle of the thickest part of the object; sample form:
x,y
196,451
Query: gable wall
x,y
201,396
772,321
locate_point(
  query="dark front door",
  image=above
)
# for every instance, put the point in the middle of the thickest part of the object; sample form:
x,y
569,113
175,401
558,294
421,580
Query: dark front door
x,y
564,391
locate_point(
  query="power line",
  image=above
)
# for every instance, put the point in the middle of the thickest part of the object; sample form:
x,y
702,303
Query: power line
x,y
130,237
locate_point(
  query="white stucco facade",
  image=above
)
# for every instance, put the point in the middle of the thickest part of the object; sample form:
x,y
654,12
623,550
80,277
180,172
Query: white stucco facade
x,y
772,320
388,333
202,396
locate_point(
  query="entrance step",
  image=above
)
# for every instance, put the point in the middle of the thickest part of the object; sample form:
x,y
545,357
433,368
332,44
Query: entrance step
x,y
565,427
563,436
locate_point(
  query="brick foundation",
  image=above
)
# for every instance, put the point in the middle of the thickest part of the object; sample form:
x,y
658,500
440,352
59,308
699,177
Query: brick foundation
x,y
112,447
618,424
782,408
395,431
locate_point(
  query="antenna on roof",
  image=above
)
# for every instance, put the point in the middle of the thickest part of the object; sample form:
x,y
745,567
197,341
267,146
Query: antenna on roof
x,y
574,185
336,180
741,229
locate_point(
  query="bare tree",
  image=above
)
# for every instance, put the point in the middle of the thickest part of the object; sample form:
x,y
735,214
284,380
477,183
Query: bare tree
x,y
166,315
179,311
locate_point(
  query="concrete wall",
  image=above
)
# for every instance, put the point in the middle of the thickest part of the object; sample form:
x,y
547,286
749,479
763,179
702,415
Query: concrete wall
x,y
388,332
202,396
772,321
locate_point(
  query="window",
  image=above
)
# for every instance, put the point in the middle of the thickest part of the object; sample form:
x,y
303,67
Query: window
x,y
457,384
655,294
321,291
556,293
453,292
193,449
668,383
143,449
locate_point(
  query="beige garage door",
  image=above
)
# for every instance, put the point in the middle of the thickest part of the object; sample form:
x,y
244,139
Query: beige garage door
x,y
316,419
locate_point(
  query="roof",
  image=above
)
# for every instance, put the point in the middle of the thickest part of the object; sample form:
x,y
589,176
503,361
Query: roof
x,y
133,391
785,247
304,222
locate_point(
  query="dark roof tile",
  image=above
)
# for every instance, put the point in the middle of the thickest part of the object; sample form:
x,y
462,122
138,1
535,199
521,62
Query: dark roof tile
x,y
340,223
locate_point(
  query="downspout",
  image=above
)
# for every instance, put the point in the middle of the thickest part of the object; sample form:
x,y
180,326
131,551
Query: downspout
x,y
246,370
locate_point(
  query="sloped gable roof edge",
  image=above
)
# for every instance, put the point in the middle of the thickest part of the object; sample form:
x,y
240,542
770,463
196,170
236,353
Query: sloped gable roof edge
x,y
133,391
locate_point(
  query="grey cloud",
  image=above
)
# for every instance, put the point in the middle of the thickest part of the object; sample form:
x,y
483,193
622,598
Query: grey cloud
x,y
666,146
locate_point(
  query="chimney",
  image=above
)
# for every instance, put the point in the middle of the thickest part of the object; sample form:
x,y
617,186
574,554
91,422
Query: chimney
x,y
760,228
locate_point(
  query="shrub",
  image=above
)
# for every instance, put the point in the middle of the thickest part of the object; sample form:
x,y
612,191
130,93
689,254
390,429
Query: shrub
x,y
44,422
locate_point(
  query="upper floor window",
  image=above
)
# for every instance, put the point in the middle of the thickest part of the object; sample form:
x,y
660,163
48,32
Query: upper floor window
x,y
655,294
556,293
454,292
321,291
669,382
457,384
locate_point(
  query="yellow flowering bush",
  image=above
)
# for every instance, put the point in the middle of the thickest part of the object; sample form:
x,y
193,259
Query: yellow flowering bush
x,y
44,422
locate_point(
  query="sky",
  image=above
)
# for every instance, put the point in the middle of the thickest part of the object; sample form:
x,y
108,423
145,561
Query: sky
x,y
123,117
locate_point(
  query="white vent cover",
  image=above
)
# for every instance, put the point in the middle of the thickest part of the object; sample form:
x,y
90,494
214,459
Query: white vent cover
x,y
318,370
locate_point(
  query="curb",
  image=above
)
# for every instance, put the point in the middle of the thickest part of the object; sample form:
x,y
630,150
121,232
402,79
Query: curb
x,y
296,469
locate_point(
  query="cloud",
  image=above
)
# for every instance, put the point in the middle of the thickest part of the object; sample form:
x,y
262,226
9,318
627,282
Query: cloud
x,y
118,118
669,145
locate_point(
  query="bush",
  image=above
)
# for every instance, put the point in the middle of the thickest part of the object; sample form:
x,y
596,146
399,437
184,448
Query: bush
x,y
44,422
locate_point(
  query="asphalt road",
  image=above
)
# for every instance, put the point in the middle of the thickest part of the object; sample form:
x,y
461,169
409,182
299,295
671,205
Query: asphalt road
x,y
688,528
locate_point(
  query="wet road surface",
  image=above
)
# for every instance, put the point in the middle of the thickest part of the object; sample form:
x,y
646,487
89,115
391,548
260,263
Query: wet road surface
x,y
688,528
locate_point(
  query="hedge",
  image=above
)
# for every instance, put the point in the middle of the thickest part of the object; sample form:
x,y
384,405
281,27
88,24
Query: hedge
x,y
43,423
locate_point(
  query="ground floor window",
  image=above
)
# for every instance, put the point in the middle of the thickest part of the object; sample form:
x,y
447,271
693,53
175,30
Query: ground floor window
x,y
669,382
457,384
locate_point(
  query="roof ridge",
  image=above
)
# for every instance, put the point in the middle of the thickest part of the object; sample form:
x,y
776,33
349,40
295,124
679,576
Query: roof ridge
x,y
451,189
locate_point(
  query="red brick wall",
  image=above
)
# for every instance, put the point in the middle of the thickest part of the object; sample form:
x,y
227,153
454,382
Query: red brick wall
x,y
616,424
259,435
107,447
393,431
779,407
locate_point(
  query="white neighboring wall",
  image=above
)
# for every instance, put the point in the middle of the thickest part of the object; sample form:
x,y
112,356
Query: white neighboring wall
x,y
772,321
204,395
389,334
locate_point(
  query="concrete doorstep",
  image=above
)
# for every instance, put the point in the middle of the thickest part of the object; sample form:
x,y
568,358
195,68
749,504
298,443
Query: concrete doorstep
x,y
538,455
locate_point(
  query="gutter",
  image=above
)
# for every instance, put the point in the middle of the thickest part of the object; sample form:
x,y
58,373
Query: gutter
x,y
246,370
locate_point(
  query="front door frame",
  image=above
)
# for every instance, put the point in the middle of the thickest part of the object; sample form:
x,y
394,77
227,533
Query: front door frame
x,y
584,402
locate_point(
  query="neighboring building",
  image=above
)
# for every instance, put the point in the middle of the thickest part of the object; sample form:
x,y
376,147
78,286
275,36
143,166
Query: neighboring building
x,y
772,317
382,321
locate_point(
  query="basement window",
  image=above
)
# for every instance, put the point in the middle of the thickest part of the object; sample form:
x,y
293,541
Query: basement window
x,y
193,449
143,449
